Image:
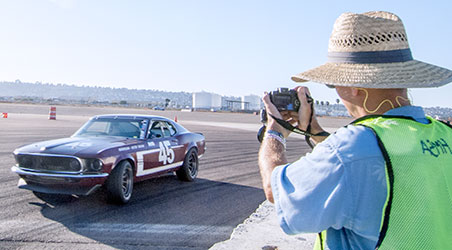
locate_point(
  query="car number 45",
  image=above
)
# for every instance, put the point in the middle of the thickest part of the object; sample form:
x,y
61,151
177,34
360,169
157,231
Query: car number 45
x,y
166,153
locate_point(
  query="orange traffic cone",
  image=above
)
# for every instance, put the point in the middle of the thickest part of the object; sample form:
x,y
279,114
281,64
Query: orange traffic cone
x,y
52,113
175,118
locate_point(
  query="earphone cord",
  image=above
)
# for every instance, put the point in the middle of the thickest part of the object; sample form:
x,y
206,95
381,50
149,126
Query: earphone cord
x,y
381,103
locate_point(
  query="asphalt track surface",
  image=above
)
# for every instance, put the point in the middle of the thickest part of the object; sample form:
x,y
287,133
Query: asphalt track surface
x,y
164,213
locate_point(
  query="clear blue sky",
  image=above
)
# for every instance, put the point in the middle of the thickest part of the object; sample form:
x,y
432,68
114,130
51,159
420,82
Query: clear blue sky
x,y
229,47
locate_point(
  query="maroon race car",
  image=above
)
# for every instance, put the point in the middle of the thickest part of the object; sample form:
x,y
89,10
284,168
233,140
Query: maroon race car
x,y
113,151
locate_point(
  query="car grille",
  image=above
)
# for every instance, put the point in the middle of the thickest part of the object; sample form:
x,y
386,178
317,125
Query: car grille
x,y
49,163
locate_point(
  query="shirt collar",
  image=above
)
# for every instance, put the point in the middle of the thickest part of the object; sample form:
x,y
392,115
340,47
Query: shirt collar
x,y
416,112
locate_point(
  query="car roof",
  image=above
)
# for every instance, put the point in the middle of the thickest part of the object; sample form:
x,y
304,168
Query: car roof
x,y
130,116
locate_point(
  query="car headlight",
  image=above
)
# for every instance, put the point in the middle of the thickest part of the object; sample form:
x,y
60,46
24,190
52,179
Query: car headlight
x,y
94,165
74,165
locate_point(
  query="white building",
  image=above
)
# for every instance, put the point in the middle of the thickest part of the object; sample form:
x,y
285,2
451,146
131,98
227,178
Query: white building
x,y
251,102
205,100
216,101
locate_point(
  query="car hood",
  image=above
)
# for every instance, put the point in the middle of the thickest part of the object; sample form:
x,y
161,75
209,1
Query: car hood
x,y
78,146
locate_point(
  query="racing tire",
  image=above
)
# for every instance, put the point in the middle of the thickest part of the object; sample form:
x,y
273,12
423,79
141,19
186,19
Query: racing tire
x,y
189,170
119,185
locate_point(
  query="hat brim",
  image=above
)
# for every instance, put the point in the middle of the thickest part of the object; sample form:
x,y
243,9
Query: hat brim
x,y
410,74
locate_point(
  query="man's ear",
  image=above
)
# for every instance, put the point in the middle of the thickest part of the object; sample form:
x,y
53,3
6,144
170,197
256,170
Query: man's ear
x,y
355,91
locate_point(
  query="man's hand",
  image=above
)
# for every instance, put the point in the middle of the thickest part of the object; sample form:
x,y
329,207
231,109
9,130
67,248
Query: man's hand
x,y
303,117
272,110
306,115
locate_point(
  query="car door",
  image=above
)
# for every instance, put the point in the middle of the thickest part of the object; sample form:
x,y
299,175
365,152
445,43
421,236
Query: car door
x,y
148,159
173,143
160,155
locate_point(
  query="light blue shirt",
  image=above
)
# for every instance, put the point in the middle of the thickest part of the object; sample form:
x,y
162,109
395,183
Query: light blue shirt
x,y
339,187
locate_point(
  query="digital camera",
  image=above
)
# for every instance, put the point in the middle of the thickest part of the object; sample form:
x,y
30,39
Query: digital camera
x,y
286,99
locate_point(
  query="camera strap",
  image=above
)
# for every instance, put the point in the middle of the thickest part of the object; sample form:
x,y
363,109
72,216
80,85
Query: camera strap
x,y
291,128
307,133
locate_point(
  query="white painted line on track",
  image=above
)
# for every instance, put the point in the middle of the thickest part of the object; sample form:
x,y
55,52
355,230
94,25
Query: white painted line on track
x,y
24,226
153,228
241,126
233,125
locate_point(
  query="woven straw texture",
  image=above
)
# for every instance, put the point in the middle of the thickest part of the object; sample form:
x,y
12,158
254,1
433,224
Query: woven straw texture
x,y
373,31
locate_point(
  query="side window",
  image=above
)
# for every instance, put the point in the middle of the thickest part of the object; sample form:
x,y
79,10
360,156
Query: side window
x,y
155,130
166,131
171,128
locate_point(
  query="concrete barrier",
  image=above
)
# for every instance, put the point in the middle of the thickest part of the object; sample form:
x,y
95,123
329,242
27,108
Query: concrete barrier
x,y
261,231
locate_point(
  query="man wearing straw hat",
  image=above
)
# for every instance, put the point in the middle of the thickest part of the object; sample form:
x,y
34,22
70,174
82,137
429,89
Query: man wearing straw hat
x,y
385,180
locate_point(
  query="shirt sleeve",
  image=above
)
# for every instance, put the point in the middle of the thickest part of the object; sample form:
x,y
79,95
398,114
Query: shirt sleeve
x,y
321,189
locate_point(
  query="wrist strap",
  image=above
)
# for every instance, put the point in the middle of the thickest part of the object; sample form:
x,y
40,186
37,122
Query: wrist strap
x,y
307,134
289,127
323,133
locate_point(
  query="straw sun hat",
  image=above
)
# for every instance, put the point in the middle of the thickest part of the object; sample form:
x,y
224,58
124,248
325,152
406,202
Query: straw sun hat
x,y
371,50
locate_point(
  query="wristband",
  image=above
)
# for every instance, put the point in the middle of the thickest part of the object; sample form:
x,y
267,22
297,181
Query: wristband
x,y
274,132
276,137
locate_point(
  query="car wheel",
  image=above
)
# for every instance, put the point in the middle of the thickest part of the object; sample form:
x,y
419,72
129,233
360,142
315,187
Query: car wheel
x,y
189,169
119,184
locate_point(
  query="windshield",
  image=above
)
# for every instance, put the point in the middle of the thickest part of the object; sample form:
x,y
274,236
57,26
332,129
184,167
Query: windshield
x,y
130,128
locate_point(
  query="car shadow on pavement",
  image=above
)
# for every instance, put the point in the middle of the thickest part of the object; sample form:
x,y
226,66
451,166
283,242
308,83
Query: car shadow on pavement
x,y
164,213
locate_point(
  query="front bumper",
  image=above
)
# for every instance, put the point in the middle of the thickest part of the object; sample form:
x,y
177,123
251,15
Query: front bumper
x,y
59,183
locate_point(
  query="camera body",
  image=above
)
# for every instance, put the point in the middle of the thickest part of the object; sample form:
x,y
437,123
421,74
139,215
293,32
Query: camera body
x,y
285,99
